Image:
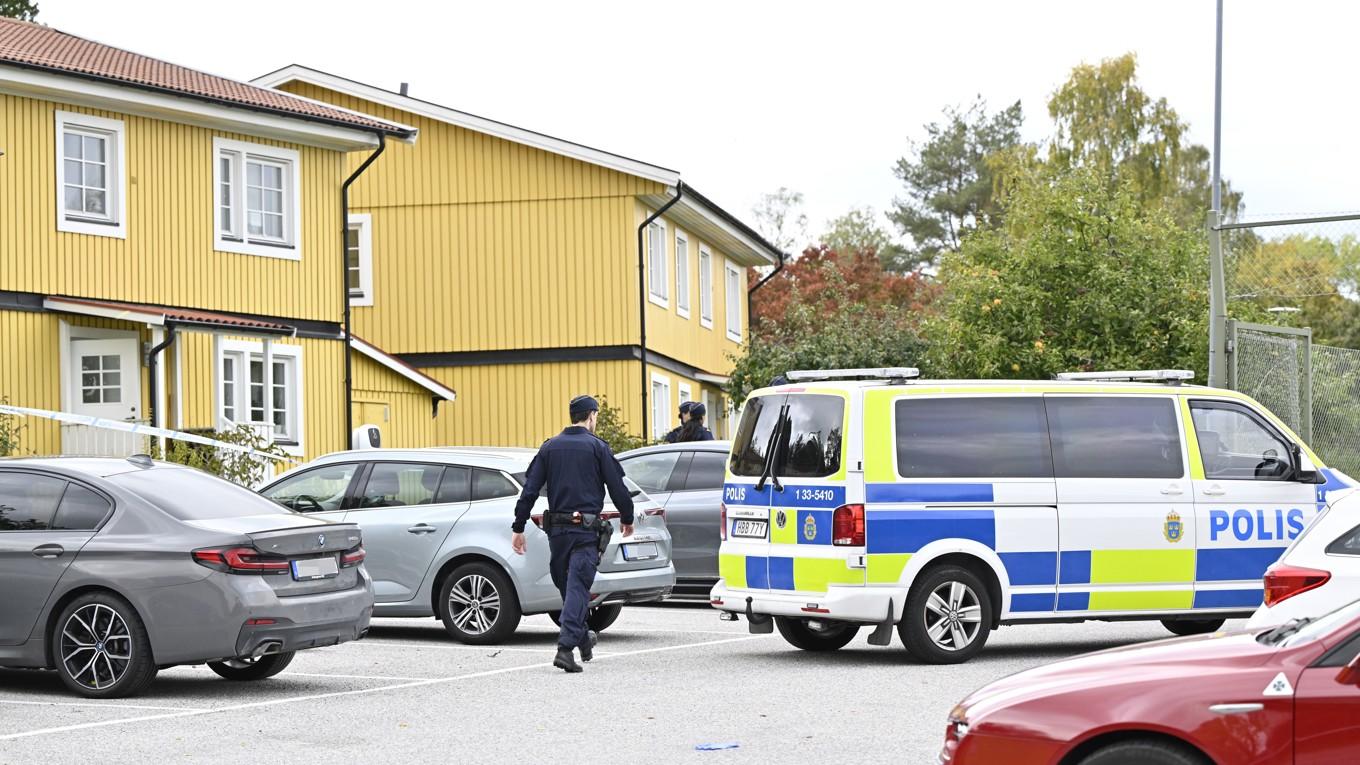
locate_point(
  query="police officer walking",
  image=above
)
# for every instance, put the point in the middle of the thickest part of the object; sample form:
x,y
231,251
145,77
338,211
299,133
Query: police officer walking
x,y
577,466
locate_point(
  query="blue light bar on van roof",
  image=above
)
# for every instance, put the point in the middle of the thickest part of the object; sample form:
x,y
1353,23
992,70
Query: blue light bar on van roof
x,y
881,373
1172,376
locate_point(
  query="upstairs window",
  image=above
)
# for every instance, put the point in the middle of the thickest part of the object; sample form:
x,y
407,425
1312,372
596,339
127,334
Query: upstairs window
x,y
90,175
656,263
734,295
681,275
359,259
256,199
705,288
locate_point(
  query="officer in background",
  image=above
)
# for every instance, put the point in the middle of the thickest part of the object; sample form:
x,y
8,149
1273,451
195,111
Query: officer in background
x,y
577,466
685,408
693,429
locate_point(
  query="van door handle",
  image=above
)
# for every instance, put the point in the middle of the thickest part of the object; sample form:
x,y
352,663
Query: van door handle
x,y
421,528
1214,491
1173,491
49,551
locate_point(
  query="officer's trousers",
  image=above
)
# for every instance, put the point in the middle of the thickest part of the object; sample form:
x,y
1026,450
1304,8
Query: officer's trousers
x,y
575,557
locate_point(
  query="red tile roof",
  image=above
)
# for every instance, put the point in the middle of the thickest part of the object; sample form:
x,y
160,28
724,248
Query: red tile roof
x,y
27,44
173,315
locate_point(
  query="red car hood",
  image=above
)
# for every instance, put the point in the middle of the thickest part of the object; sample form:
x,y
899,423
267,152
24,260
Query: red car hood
x,y
1179,660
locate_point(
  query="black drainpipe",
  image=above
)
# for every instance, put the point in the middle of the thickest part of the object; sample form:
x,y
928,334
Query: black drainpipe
x,y
642,294
750,294
151,368
344,283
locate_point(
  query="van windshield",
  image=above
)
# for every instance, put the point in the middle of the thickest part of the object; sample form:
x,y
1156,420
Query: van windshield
x,y
809,441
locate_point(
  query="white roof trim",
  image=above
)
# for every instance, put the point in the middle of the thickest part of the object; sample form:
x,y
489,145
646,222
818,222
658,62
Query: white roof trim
x,y
712,379
385,359
128,99
153,318
547,143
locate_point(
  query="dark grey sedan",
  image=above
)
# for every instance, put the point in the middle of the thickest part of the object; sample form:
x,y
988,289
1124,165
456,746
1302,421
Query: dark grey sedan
x,y
113,569
686,479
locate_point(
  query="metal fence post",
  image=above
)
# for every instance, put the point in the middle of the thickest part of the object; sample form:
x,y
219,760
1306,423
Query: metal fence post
x,y
1306,390
1218,306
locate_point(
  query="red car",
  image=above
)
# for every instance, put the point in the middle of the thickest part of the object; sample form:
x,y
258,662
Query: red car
x,y
1285,695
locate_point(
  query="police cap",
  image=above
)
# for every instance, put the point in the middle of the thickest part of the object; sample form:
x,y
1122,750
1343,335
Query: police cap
x,y
583,404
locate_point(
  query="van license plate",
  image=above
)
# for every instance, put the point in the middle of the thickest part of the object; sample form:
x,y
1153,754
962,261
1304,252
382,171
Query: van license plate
x,y
753,529
640,551
315,568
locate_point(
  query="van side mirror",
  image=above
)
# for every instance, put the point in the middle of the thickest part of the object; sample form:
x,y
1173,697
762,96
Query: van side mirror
x,y
1304,469
1350,674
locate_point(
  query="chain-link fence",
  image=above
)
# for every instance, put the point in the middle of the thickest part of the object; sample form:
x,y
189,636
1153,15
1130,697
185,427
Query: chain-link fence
x,y
1336,407
1272,366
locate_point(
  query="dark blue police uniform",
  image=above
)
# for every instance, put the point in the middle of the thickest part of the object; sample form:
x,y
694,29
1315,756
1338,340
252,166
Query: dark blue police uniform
x,y
576,467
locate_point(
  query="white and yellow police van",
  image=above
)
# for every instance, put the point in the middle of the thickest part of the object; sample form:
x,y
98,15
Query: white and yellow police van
x,y
948,508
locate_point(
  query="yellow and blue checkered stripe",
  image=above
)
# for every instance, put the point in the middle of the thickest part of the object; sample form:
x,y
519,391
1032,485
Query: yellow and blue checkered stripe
x,y
807,510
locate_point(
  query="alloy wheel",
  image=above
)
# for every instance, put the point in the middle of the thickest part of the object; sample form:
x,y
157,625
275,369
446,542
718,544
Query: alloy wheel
x,y
953,616
474,604
96,646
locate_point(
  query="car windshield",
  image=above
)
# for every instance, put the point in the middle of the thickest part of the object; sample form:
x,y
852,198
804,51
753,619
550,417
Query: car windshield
x,y
1297,631
192,495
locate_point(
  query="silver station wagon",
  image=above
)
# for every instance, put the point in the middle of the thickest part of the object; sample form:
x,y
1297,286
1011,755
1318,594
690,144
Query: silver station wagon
x,y
436,526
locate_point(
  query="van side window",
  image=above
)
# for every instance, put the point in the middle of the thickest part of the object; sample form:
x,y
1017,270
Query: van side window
x,y
974,437
1114,437
1235,445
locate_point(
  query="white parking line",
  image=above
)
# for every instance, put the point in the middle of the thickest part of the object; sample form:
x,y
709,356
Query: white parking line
x,y
338,694
96,705
487,649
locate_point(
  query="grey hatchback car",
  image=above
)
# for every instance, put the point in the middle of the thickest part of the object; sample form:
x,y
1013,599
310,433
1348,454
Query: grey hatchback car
x,y
113,569
687,480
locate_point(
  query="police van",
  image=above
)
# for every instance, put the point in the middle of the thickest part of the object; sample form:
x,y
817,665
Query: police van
x,y
945,509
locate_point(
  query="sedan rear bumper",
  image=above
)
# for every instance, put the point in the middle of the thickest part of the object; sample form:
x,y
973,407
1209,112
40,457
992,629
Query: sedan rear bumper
x,y
638,586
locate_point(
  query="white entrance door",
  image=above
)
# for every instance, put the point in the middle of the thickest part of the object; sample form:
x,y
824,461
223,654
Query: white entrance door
x,y
106,379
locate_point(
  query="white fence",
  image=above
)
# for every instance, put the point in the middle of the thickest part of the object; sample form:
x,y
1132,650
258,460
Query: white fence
x,y
87,441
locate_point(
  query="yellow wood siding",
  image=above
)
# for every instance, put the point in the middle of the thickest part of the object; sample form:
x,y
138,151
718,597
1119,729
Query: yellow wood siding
x,y
168,256
715,419
399,407
30,376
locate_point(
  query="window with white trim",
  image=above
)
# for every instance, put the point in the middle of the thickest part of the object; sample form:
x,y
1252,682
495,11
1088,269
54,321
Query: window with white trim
x,y
734,294
681,275
661,406
686,394
359,259
256,199
705,288
656,263
714,416
244,389
91,181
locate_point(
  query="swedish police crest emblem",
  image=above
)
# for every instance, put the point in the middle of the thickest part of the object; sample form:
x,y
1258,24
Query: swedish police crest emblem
x,y
1173,529
809,527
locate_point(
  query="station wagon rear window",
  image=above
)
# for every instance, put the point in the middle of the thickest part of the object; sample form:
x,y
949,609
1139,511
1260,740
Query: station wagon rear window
x,y
976,437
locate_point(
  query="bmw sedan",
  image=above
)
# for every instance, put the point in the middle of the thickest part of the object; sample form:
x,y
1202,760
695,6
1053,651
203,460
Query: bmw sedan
x,y
114,569
687,480
436,524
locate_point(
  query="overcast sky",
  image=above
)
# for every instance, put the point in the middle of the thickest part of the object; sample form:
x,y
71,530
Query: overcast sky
x,y
745,96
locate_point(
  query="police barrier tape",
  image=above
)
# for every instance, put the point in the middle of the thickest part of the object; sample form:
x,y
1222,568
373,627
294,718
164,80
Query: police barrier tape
x,y
132,427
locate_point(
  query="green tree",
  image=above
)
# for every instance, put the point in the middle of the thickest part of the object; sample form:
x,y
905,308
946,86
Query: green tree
x,y
238,467
780,219
1079,276
11,428
859,231
611,427
949,180
1312,278
25,10
1106,122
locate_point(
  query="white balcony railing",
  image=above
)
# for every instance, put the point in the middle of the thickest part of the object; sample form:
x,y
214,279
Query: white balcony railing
x,y
86,441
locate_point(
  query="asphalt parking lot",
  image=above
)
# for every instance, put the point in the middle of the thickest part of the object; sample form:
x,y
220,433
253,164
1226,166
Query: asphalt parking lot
x,y
665,680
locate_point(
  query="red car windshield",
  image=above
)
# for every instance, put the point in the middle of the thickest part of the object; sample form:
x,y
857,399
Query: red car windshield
x,y
1298,631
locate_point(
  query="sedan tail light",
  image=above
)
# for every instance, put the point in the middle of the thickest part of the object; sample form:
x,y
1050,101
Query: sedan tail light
x,y
722,520
847,526
1283,582
353,557
240,560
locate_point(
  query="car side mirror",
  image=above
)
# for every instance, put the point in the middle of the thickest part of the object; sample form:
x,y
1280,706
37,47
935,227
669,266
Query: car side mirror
x,y
1304,469
1350,674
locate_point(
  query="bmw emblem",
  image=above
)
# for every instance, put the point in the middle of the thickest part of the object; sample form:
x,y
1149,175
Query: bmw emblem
x,y
780,519
320,540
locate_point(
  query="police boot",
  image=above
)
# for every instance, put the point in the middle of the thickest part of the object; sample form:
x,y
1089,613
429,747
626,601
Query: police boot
x,y
588,647
565,661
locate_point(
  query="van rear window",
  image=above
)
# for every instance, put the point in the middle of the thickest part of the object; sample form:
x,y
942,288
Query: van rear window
x,y
975,437
808,445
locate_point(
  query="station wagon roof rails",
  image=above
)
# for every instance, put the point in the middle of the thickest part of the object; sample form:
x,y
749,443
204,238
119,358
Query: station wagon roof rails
x,y
1167,376
894,375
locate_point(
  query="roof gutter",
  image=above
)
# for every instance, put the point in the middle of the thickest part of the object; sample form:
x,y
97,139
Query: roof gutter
x,y
642,294
344,283
750,294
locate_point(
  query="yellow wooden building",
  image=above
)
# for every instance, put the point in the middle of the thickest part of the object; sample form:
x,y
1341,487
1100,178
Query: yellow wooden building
x,y
505,263
172,251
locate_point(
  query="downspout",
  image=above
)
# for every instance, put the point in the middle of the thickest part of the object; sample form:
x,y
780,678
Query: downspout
x,y
151,370
344,284
750,294
642,294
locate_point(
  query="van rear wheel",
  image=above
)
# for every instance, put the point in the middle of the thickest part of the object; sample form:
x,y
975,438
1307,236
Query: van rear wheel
x,y
816,634
948,616
1185,627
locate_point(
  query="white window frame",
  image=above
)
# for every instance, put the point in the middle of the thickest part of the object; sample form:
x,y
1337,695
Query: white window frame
x,y
243,352
682,274
686,393
114,132
661,405
732,298
705,287
236,240
656,264
714,416
364,223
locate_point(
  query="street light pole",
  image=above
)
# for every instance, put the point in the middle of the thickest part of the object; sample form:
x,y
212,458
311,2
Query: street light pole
x,y
1218,299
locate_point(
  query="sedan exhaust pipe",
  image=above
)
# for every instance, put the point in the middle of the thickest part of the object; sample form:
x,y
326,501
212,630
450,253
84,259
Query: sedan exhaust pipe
x,y
265,648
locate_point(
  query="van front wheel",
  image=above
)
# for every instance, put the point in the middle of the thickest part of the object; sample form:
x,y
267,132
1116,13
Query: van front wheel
x,y
948,616
816,634
1185,627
